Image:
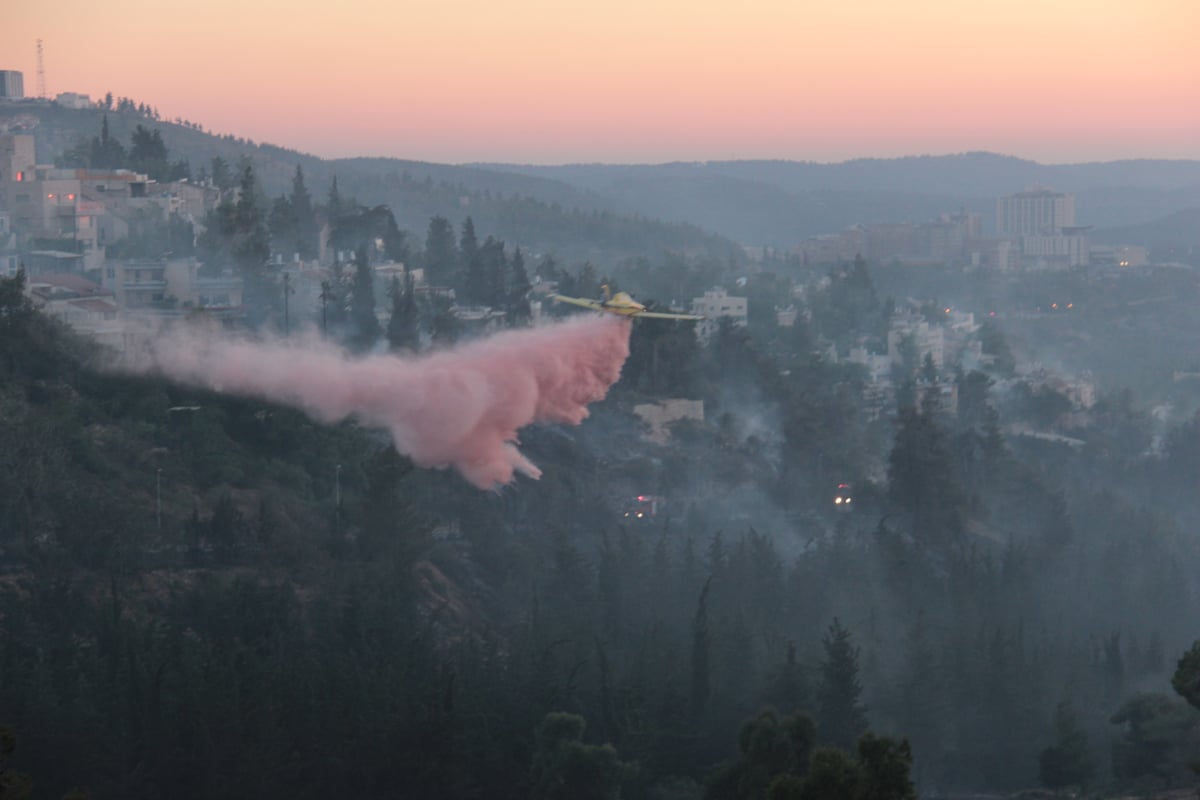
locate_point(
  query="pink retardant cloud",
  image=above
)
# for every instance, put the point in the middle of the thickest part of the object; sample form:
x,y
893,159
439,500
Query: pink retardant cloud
x,y
460,407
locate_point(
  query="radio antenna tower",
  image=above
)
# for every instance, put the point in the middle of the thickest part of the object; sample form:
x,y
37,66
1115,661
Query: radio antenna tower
x,y
41,72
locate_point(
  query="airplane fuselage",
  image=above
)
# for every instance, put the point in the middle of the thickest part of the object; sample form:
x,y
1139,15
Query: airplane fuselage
x,y
623,304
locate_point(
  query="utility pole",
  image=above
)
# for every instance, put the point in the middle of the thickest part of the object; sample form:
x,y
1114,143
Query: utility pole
x,y
41,71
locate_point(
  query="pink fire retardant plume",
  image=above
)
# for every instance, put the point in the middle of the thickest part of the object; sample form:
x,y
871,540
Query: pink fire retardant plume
x,y
461,407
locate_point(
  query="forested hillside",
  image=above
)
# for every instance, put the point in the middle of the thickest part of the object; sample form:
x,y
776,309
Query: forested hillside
x,y
209,596
540,215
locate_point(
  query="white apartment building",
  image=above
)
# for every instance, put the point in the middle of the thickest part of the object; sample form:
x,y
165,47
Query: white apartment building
x,y
715,304
1043,221
929,339
1036,212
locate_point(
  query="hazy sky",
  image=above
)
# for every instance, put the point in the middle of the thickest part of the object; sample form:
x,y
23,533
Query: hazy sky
x,y
553,81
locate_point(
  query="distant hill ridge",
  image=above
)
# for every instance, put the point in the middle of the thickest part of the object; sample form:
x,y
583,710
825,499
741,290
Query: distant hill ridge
x,y
779,202
981,173
599,211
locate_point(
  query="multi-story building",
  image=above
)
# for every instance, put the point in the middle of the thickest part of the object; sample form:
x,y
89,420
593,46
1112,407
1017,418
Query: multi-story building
x,y
888,242
1043,221
878,366
1000,255
929,340
1035,212
1069,247
945,240
833,248
73,100
80,303
160,285
80,208
12,84
715,305
17,158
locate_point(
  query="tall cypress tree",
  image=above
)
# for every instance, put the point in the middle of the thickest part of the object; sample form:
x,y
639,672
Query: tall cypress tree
x,y
333,203
402,330
516,290
364,324
470,276
300,202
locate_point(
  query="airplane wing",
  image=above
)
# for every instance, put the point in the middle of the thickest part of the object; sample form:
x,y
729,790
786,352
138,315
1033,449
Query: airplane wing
x,y
664,315
579,301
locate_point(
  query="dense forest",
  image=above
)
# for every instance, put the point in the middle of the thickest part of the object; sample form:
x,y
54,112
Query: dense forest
x,y
204,595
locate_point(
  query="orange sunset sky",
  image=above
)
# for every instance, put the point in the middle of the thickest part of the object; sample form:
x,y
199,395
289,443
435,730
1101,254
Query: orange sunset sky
x,y
536,81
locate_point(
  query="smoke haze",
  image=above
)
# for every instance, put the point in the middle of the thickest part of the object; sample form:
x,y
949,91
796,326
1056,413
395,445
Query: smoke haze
x,y
460,408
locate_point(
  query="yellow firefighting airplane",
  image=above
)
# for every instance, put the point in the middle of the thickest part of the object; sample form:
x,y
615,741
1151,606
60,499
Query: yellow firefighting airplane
x,y
622,304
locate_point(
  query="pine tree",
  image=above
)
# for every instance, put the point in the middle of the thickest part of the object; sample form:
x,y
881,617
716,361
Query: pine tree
x,y
1068,761
251,249
787,686
222,178
148,153
487,281
444,326
920,701
106,152
701,644
841,717
441,253
922,479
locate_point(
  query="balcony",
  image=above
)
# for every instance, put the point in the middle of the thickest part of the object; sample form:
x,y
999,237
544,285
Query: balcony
x,y
143,285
